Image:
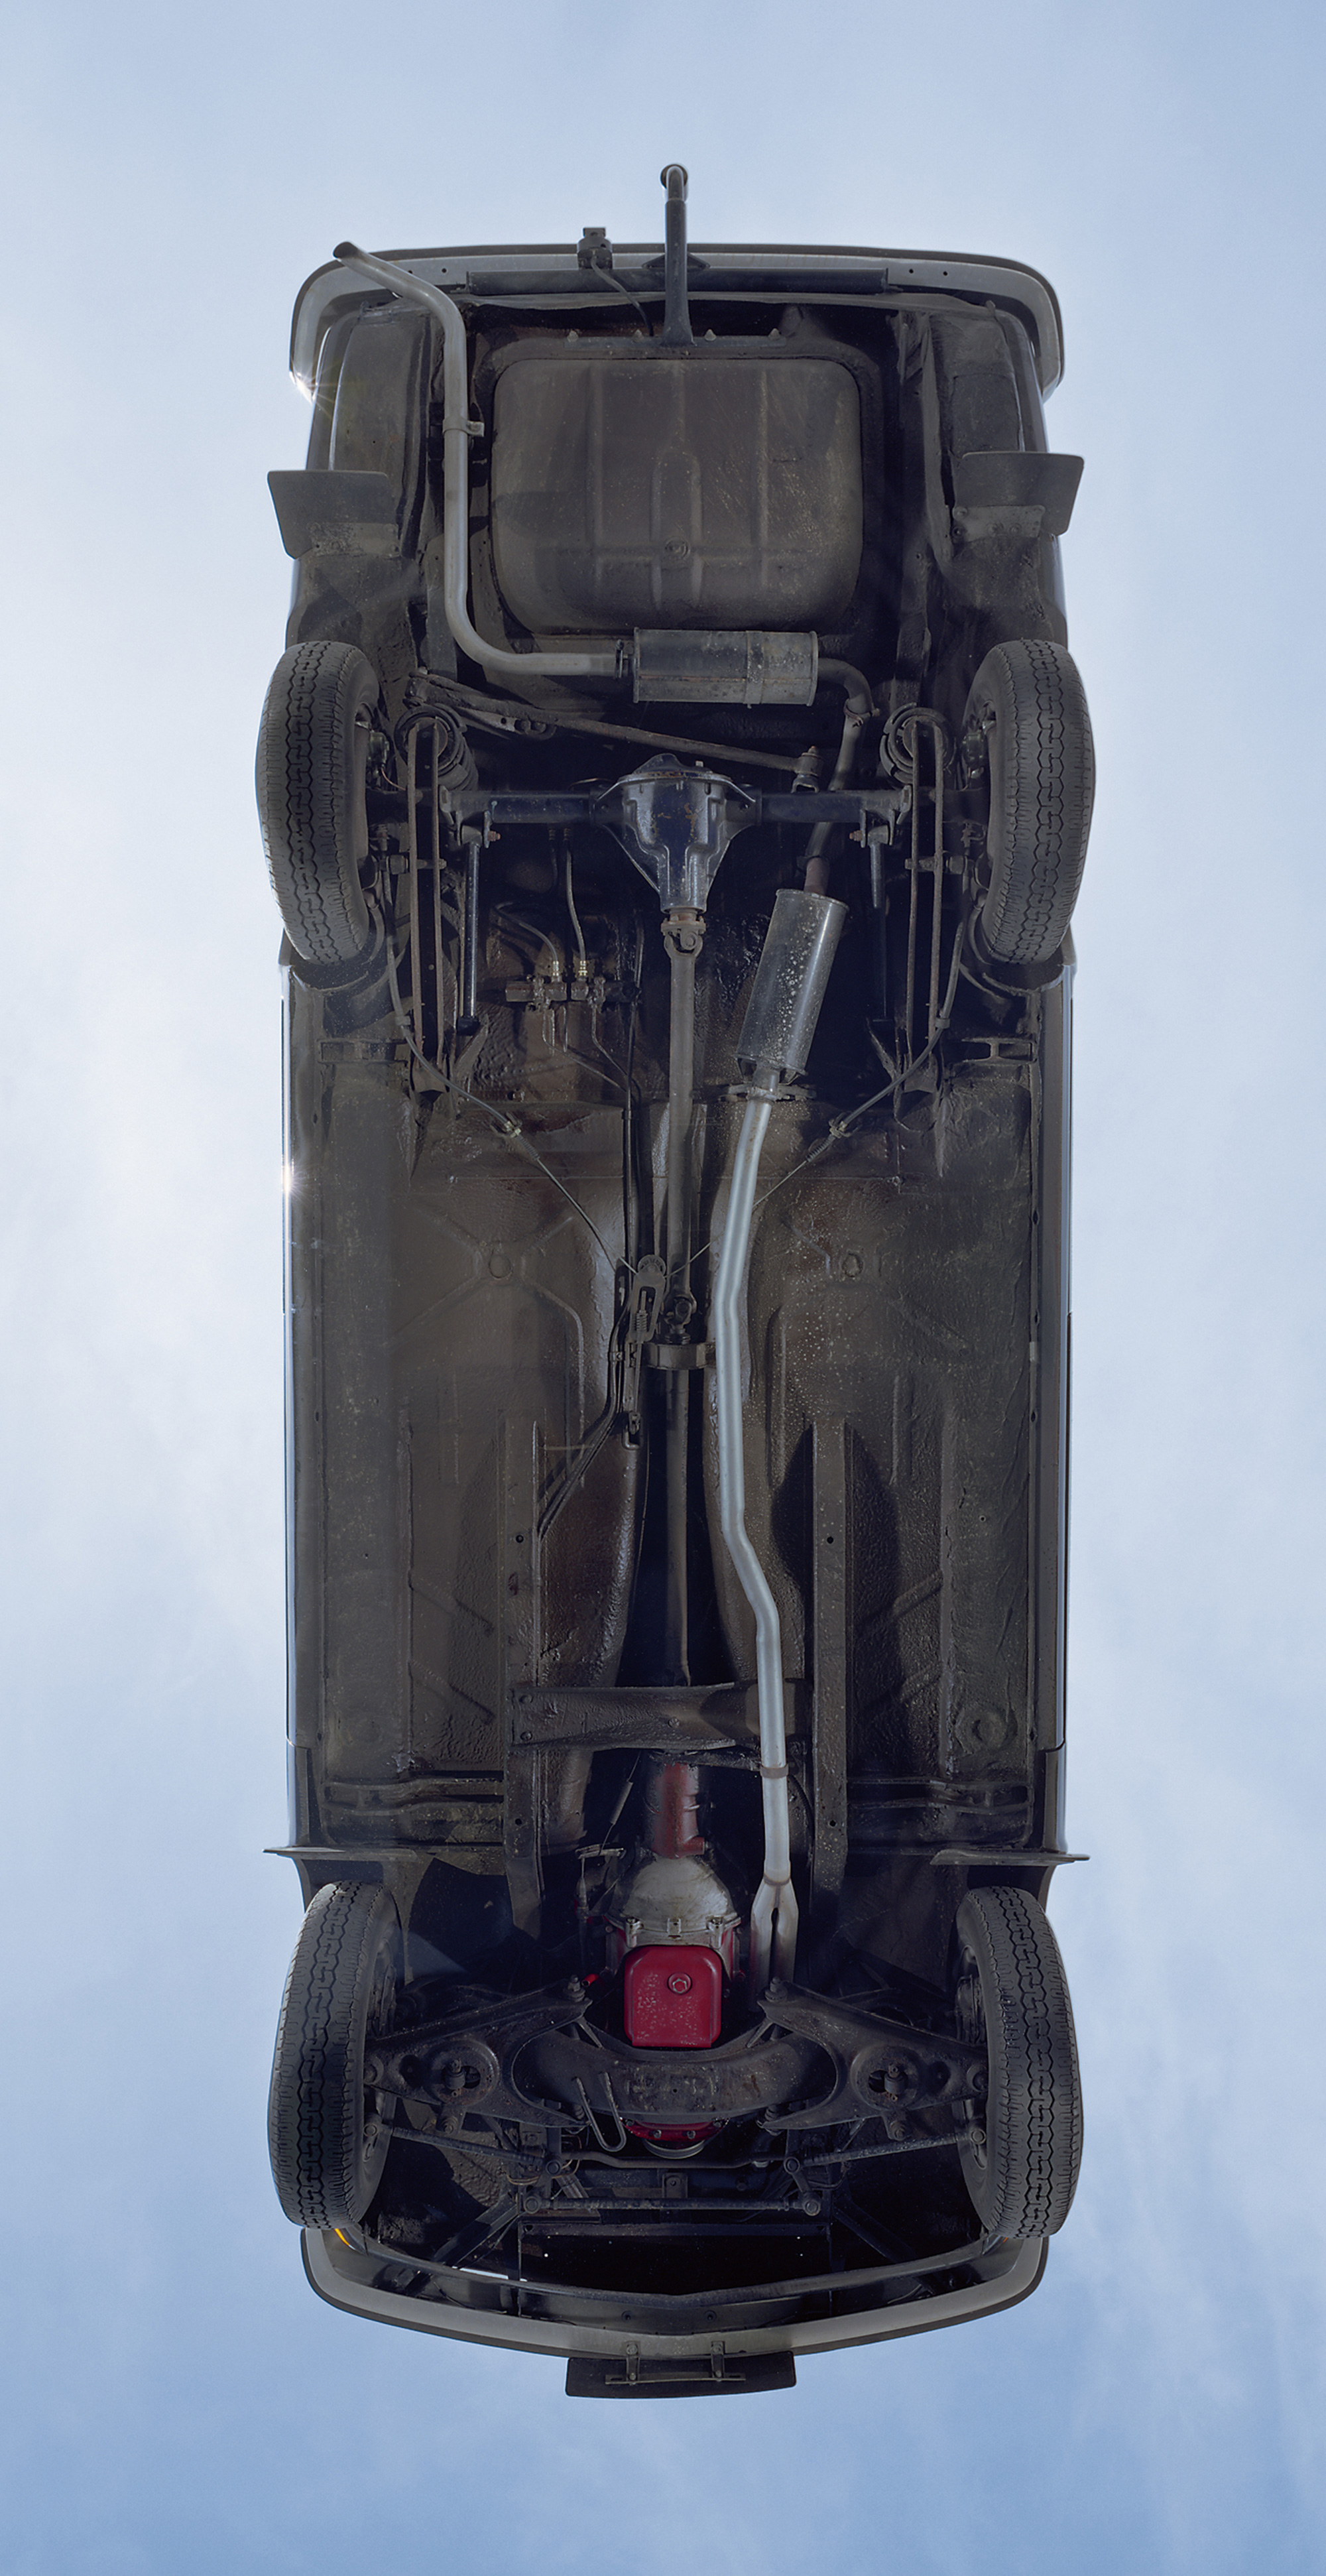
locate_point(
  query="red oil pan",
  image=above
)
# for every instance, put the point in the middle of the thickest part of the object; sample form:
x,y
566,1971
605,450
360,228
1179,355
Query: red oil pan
x,y
673,1996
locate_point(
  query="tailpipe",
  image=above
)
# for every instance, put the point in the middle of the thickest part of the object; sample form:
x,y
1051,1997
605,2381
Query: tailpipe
x,y
774,1044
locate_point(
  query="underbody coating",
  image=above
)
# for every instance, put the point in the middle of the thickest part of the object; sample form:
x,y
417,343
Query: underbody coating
x,y
486,1346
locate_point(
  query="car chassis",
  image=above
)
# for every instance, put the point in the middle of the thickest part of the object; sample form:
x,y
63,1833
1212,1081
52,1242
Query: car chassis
x,y
676,1993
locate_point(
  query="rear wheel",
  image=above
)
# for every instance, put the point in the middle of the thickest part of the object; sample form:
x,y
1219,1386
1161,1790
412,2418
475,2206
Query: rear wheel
x,y
328,2137
1023,2144
312,762
1027,720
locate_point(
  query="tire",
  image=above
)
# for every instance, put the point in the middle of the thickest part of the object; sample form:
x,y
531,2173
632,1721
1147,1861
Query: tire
x,y
1012,1994
1028,708
328,2140
312,759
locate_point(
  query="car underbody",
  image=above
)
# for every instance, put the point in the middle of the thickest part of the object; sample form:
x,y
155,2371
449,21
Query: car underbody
x,y
677,1140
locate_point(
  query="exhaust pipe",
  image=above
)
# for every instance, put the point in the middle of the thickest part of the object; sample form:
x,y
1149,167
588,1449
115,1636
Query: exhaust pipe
x,y
775,1043
457,429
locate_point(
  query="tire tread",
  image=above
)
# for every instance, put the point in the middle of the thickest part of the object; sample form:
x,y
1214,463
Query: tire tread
x,y
1042,789
1034,2111
306,797
315,2109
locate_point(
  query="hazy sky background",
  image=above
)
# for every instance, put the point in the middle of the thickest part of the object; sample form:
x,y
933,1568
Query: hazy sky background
x,y
174,2397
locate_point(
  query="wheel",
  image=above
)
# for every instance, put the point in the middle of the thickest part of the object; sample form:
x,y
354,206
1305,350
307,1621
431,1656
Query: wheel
x,y
1027,715
328,2138
1024,2141
312,759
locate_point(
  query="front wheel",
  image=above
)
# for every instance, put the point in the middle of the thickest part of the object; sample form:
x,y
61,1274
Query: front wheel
x,y
1027,722
1023,2141
329,2138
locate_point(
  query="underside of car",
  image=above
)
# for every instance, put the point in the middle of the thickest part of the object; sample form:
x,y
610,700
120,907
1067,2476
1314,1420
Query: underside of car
x,y
676,788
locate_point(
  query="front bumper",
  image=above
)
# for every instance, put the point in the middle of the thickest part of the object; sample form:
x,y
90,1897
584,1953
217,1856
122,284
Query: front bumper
x,y
652,2334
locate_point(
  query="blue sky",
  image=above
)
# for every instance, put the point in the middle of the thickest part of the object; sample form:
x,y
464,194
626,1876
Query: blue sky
x,y
173,2395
